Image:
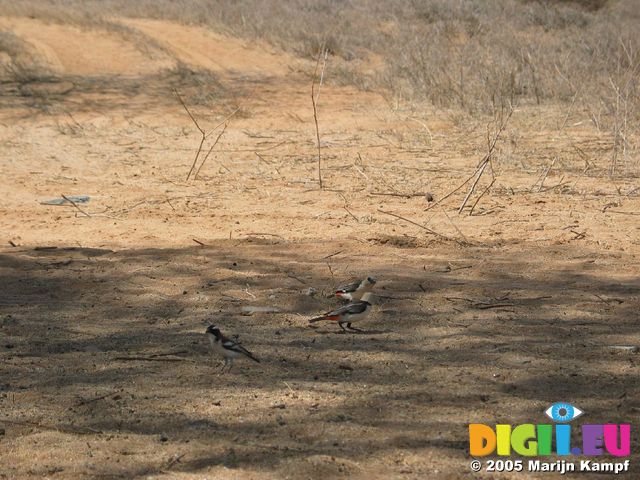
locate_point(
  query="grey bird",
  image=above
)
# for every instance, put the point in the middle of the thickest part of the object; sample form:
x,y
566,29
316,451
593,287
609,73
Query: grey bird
x,y
355,290
351,312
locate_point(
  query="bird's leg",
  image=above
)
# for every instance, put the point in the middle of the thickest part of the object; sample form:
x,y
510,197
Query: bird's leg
x,y
344,330
224,365
214,361
354,329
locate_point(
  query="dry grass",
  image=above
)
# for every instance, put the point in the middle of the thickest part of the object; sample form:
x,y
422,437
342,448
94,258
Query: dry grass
x,y
472,55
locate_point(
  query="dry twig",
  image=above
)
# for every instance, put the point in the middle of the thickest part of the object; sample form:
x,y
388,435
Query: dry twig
x,y
543,177
75,205
202,132
401,195
85,401
195,177
491,144
482,195
433,232
314,101
151,359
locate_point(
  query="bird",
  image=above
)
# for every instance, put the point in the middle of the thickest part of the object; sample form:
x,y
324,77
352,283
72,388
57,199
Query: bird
x,y
355,290
227,348
345,315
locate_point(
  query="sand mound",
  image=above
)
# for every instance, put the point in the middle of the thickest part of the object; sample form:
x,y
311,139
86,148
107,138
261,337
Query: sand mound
x,y
70,50
202,48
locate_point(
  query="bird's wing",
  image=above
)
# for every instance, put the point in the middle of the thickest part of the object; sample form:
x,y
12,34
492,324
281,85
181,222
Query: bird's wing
x,y
236,347
352,308
357,307
351,287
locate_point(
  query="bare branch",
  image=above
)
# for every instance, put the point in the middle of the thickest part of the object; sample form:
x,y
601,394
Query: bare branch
x,y
479,173
491,143
433,232
184,105
481,195
202,132
314,101
76,205
195,177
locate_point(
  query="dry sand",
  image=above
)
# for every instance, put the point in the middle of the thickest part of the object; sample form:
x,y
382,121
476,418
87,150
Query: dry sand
x,y
105,368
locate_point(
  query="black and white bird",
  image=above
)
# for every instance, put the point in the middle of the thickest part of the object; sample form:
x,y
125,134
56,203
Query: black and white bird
x,y
355,290
351,312
227,348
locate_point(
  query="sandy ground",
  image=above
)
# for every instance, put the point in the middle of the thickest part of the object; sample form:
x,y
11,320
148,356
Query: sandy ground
x,y
105,369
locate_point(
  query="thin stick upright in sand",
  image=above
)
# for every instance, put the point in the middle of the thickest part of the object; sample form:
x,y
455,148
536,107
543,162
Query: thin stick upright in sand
x,y
224,129
491,145
202,132
204,135
314,101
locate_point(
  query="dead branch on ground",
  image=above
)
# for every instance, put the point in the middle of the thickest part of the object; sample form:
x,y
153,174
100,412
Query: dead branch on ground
x,y
75,205
432,232
401,195
57,428
151,359
85,401
87,214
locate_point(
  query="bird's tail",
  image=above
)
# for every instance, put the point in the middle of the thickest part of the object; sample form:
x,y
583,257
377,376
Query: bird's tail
x,y
324,317
251,356
317,319
247,353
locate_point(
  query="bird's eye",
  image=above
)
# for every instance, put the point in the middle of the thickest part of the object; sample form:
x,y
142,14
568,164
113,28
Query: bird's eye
x,y
563,412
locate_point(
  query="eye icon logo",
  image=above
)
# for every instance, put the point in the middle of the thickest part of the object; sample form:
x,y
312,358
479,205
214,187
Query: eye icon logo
x,y
563,412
